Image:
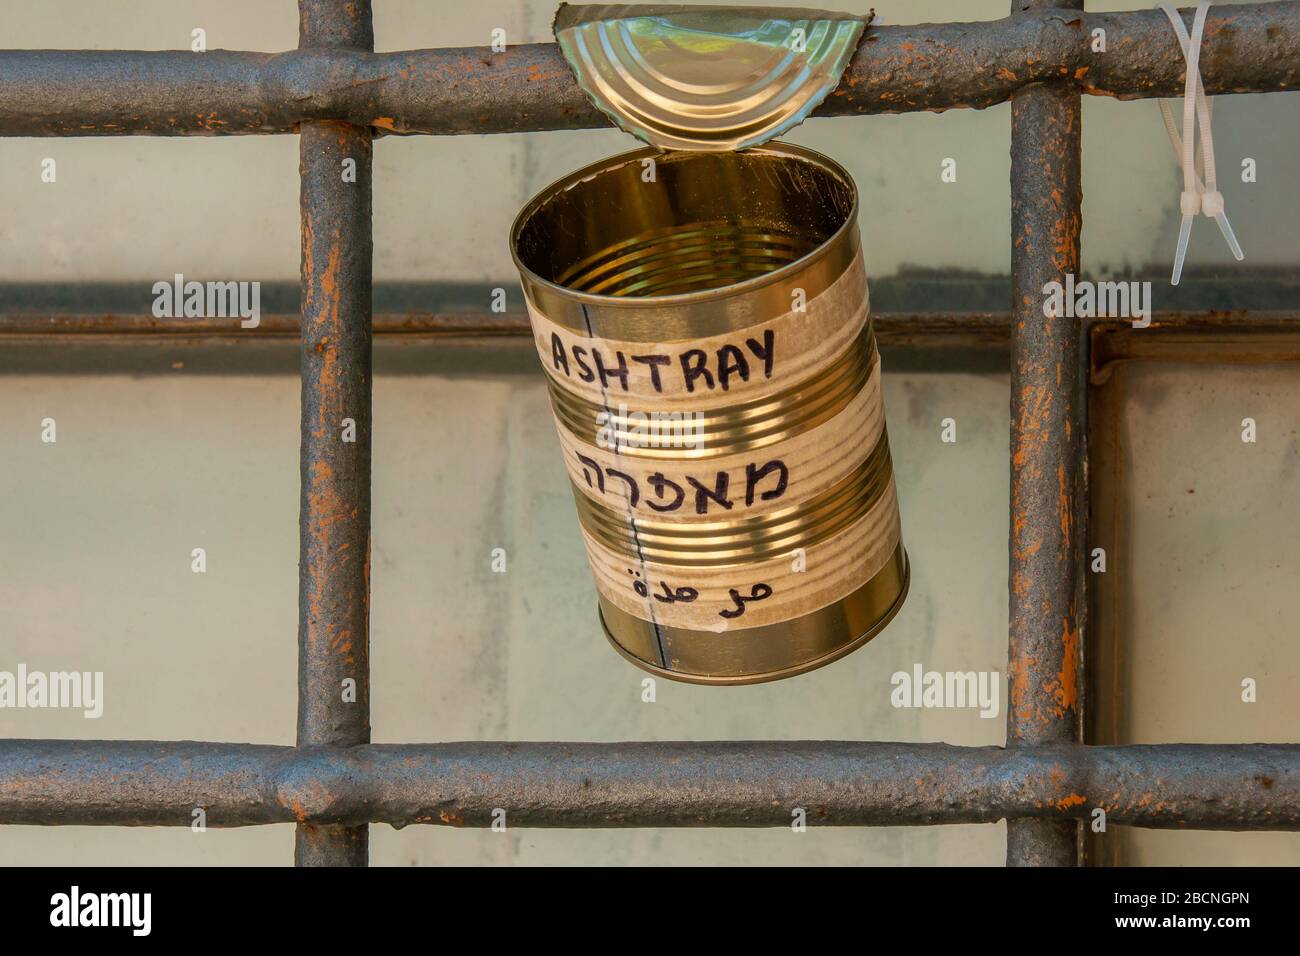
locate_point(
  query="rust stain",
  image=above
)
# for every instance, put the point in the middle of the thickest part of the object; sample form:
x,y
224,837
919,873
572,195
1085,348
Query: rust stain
x,y
1028,551
1020,583
327,508
451,818
1035,402
1070,800
329,280
1018,680
298,810
308,241
1067,679
1063,504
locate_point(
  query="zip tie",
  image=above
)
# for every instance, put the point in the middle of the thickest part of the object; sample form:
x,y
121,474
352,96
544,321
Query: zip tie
x,y
1198,196
1212,199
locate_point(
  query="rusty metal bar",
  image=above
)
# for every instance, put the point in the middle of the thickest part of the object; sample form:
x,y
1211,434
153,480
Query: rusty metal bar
x,y
892,329
1261,339
1249,48
1046,446
334,517
689,784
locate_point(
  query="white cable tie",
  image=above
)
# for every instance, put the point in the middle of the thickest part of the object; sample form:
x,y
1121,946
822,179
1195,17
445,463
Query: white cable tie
x,y
1200,180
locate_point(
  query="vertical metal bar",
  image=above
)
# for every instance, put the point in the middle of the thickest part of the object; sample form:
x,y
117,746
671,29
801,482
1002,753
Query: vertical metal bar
x,y
334,515
1046,442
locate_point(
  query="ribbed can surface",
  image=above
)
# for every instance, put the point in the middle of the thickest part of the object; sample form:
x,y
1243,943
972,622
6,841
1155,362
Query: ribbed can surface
x,y
704,324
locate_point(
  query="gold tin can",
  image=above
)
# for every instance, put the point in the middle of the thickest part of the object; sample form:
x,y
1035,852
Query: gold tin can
x,y
704,324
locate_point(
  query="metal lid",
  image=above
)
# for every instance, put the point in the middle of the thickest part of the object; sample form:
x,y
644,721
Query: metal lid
x,y
706,78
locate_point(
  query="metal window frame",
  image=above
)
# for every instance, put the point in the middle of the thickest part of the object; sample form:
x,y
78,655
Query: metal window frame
x,y
337,94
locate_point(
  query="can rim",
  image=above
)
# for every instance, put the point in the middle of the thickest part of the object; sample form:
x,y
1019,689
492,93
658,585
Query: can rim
x,y
610,163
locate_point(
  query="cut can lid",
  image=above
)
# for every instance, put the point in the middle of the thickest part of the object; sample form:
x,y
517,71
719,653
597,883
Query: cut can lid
x,y
706,78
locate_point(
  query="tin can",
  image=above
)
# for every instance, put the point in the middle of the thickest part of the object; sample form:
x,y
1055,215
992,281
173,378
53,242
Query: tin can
x,y
704,324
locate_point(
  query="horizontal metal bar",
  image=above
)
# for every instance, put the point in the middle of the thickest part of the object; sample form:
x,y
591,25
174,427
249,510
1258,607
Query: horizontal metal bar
x,y
715,784
932,329
1267,339
1250,48
892,329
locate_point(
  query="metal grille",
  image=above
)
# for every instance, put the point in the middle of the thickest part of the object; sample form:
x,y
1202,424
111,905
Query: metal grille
x,y
335,93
